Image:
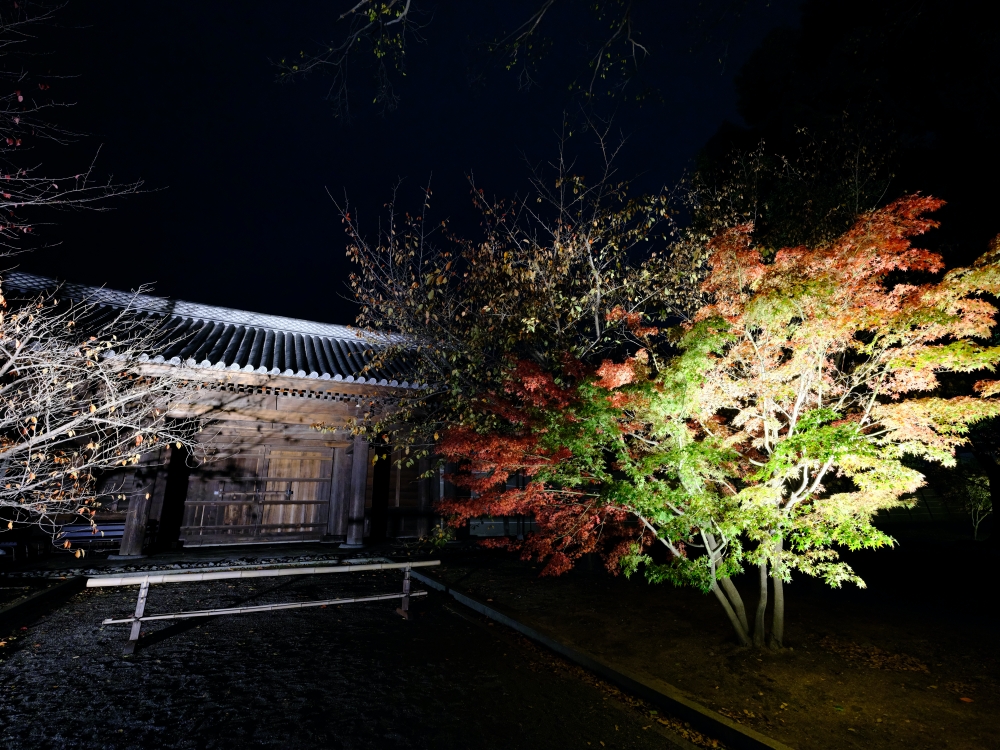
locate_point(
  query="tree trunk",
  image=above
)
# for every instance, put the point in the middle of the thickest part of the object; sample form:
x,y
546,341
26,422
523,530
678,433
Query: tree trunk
x,y
731,600
993,475
758,625
739,627
736,601
778,617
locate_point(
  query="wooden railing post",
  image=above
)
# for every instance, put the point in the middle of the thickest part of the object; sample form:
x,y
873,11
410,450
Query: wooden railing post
x,y
404,607
140,608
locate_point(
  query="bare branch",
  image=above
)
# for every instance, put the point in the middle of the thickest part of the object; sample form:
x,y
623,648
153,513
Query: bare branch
x,y
25,187
75,403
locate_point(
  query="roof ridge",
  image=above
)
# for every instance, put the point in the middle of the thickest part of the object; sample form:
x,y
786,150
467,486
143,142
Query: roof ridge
x,y
27,282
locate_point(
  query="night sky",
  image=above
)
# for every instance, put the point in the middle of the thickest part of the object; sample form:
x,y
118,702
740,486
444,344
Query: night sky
x,y
185,98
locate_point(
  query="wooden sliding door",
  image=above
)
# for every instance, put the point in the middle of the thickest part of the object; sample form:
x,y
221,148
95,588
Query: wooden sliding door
x,y
261,495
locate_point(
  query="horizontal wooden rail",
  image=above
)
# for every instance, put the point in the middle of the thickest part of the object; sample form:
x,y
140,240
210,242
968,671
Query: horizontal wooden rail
x,y
263,608
144,580
215,575
252,566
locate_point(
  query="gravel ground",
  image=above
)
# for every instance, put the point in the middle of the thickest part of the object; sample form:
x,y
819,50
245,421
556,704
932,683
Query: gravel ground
x,y
356,676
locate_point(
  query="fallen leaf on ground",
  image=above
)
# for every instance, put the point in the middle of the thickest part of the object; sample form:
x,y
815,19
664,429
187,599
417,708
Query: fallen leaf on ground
x,y
960,688
872,656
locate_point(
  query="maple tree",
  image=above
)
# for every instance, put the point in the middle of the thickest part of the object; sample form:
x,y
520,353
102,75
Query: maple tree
x,y
767,431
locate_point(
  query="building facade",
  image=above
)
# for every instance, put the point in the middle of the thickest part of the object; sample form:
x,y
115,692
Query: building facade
x,y
277,461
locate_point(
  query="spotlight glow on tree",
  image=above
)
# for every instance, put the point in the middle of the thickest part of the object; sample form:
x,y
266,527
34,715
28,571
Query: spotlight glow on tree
x,y
768,433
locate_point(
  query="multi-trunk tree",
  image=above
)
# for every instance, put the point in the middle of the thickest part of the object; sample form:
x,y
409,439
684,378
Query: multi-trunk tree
x,y
767,430
797,398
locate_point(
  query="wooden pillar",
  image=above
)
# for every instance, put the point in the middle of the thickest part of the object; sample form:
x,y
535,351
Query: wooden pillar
x,y
175,490
340,496
379,512
359,482
135,525
423,499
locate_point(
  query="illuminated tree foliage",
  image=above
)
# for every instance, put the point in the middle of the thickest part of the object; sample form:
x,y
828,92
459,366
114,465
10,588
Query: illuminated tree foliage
x,y
768,432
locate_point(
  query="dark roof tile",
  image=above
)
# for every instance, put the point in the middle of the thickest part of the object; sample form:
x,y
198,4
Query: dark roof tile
x,y
223,338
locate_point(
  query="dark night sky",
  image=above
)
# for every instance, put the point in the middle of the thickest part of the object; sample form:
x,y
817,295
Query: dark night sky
x,y
184,97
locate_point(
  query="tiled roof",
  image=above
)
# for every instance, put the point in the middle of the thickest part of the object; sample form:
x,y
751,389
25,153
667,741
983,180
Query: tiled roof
x,y
221,338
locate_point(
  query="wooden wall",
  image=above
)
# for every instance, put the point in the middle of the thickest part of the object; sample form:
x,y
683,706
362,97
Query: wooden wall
x,y
269,475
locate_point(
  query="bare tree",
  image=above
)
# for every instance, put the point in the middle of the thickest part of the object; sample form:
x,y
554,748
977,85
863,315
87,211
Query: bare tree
x,y
77,400
26,100
572,268
377,34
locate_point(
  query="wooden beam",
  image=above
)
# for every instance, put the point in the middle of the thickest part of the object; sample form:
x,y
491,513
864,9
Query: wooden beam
x,y
335,416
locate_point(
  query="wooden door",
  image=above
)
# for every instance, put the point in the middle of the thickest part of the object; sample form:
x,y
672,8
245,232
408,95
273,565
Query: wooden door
x,y
260,496
222,504
295,498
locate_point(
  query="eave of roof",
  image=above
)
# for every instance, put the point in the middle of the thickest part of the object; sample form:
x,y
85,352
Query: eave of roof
x,y
220,338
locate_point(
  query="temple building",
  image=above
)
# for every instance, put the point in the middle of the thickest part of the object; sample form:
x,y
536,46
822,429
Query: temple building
x,y
265,473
